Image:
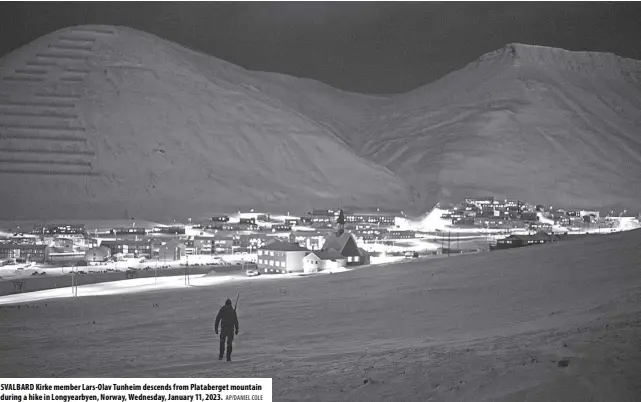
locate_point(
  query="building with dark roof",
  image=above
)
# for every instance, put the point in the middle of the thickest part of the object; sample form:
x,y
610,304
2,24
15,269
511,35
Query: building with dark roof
x,y
514,241
345,244
27,252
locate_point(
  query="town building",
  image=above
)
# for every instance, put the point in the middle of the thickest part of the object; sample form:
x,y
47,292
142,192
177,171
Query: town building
x,y
24,252
492,223
57,256
309,240
171,251
322,218
345,244
399,234
277,257
291,221
203,245
529,216
132,231
129,248
540,226
97,254
60,229
281,228
592,214
247,221
172,230
466,221
220,218
376,218
480,201
224,245
514,241
317,261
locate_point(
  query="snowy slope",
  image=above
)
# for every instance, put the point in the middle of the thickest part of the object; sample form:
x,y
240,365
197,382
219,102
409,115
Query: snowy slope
x,y
107,122
110,122
483,327
542,124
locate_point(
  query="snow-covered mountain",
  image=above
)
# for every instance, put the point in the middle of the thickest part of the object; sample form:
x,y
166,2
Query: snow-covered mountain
x,y
100,121
103,122
542,124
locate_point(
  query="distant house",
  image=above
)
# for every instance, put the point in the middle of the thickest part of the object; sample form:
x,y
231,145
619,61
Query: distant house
x,y
252,241
592,214
171,251
309,240
174,230
529,216
291,221
247,221
514,241
306,219
400,234
493,223
28,252
59,229
322,218
277,257
281,228
223,245
317,261
203,245
467,221
131,248
132,231
220,218
97,254
478,201
345,244
540,226
377,218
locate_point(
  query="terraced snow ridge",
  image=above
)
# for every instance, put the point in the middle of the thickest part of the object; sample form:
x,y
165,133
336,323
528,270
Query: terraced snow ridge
x,y
110,122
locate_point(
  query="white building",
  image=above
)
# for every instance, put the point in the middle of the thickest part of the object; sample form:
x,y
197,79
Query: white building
x,y
317,261
277,257
594,214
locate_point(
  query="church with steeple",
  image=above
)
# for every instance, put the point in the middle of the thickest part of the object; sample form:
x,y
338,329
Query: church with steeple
x,y
345,244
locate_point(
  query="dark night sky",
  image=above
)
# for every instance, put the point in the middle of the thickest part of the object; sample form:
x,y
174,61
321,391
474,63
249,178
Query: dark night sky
x,y
363,47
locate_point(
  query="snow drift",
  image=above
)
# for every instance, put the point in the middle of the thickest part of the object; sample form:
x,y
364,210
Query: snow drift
x,y
482,327
110,122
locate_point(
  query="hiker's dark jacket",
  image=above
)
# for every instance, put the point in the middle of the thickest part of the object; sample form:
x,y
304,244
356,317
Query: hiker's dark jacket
x,y
226,318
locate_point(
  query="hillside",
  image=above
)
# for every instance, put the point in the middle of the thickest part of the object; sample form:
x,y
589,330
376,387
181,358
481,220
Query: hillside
x,y
109,122
542,124
482,327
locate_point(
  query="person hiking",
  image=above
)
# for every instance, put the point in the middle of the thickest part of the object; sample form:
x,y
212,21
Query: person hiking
x,y
228,323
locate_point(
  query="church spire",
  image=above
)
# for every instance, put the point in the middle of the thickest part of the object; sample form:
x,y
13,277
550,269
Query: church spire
x,y
340,221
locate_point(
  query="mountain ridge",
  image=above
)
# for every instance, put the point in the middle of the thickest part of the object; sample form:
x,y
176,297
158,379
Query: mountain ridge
x,y
268,140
